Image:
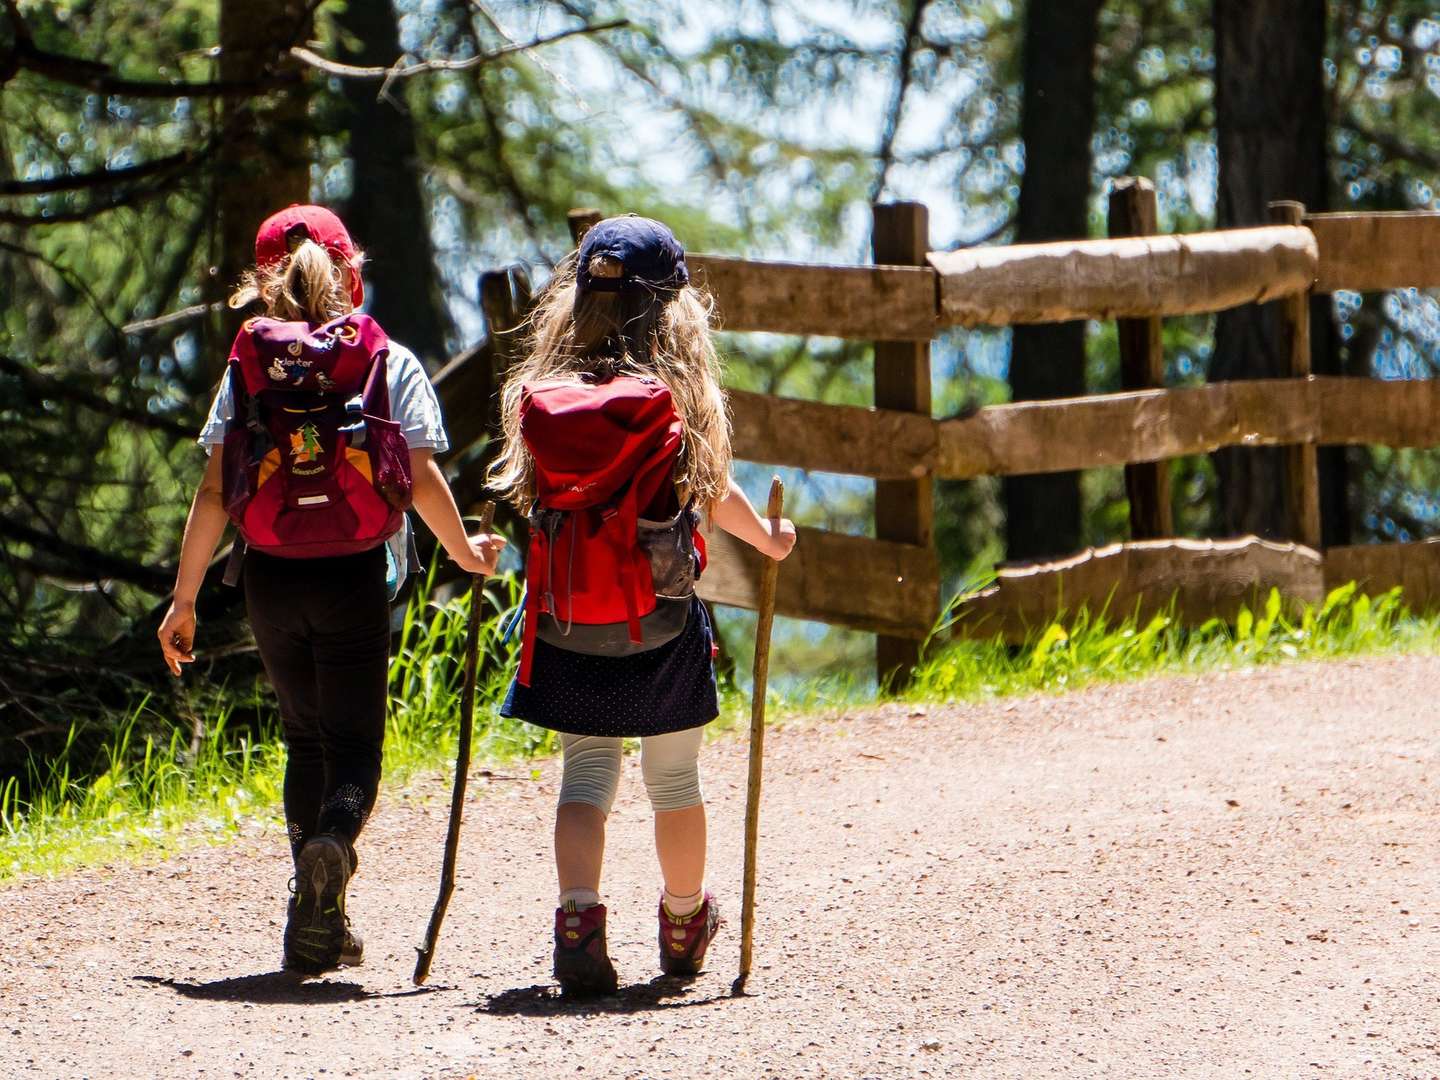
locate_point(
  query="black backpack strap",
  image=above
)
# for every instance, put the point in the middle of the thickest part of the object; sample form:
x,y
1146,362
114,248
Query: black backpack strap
x,y
413,565
245,409
234,562
373,399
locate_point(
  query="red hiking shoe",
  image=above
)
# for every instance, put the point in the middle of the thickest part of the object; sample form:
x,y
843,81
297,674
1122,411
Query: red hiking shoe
x,y
582,964
683,941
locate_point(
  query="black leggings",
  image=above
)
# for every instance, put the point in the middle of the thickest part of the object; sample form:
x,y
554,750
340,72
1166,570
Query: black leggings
x,y
323,629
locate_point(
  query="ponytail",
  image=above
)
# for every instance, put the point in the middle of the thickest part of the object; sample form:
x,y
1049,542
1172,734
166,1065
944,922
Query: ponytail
x,y
308,286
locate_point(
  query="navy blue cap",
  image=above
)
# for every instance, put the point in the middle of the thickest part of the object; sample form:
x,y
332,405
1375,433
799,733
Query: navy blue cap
x,y
651,256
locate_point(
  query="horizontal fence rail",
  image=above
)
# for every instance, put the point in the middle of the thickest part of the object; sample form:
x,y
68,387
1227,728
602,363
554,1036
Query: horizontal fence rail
x,y
1197,579
849,439
1375,252
1125,277
869,302
876,585
1413,566
1087,432
1129,277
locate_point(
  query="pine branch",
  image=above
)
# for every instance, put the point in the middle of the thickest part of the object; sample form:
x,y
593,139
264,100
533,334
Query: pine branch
x,y
401,70
85,563
68,276
897,101
1392,146
103,177
40,387
493,20
98,77
185,314
113,200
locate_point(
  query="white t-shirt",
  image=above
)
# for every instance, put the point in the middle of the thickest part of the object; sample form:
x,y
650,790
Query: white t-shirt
x,y
413,405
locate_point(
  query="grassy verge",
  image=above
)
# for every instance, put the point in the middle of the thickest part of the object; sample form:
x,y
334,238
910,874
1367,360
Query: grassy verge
x,y
149,797
1083,650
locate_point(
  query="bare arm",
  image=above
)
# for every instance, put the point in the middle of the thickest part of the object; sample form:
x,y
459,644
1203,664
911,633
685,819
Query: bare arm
x,y
435,504
736,516
203,529
206,524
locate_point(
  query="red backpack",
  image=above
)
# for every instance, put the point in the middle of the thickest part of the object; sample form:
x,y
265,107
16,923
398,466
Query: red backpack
x,y
313,465
613,556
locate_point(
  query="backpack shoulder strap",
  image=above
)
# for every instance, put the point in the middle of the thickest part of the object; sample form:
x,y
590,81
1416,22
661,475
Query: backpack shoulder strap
x,y
235,561
373,399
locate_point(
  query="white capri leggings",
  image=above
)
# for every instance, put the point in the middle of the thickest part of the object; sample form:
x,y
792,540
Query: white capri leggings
x,y
670,765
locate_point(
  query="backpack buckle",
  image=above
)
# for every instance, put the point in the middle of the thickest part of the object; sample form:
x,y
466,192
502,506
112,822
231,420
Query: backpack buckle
x,y
354,430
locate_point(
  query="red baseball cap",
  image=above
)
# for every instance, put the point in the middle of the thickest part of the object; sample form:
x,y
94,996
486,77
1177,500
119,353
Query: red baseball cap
x,y
281,232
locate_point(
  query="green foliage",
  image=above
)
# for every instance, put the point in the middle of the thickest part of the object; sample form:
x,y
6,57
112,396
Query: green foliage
x,y
149,794
757,129
1087,648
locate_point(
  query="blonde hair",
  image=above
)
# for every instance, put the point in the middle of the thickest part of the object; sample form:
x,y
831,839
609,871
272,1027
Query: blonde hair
x,y
635,332
307,285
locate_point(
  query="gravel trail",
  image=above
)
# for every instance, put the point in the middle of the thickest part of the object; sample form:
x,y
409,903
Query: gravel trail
x,y
1221,876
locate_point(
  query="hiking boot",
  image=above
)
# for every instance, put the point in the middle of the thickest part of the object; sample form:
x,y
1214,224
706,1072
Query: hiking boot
x,y
683,941
317,933
582,964
352,949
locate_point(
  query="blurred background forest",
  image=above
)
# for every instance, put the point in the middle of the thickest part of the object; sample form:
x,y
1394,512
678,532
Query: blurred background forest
x,y
140,144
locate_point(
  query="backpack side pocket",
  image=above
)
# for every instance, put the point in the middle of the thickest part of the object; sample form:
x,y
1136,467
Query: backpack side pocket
x,y
389,461
670,547
239,471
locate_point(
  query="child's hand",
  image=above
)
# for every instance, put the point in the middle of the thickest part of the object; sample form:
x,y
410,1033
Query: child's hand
x,y
482,554
781,539
177,636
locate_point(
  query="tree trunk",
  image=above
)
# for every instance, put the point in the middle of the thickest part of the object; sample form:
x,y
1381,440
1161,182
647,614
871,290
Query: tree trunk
x,y
1042,513
387,211
1270,134
264,154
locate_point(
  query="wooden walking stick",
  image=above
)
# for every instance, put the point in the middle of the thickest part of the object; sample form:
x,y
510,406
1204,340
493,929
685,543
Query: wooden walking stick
x,y
769,573
462,765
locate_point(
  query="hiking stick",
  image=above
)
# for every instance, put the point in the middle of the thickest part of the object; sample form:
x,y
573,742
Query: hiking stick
x,y
462,765
769,573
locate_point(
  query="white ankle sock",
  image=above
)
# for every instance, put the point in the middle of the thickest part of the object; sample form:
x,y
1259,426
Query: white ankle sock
x,y
683,906
580,898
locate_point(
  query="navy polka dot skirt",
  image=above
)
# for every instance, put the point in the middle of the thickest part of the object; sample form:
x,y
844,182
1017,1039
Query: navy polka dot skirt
x,y
650,693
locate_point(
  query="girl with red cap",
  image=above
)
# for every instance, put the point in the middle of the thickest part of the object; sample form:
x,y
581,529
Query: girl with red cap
x,y
321,455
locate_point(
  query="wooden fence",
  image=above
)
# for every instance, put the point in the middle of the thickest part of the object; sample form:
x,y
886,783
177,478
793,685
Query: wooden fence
x,y
889,584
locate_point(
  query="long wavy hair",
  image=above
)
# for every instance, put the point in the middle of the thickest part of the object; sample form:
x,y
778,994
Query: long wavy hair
x,y
664,335
308,285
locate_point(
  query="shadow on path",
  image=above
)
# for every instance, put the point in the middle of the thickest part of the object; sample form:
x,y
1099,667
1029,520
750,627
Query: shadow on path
x,y
662,992
278,988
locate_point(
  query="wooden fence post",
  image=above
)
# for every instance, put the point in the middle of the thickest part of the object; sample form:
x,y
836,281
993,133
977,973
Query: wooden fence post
x,y
904,509
1142,364
1302,474
580,221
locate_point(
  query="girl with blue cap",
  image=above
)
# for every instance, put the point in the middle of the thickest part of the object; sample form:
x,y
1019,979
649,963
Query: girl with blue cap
x,y
623,308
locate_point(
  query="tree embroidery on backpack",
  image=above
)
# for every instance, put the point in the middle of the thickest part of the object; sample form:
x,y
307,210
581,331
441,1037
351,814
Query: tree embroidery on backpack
x,y
305,447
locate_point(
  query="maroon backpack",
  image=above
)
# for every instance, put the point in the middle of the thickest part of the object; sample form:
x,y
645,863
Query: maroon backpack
x,y
313,465
613,557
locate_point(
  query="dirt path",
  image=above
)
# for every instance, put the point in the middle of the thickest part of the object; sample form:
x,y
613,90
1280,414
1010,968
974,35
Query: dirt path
x,y
1230,876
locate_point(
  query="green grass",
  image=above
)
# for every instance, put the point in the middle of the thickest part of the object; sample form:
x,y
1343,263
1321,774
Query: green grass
x,y
149,796
1085,649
